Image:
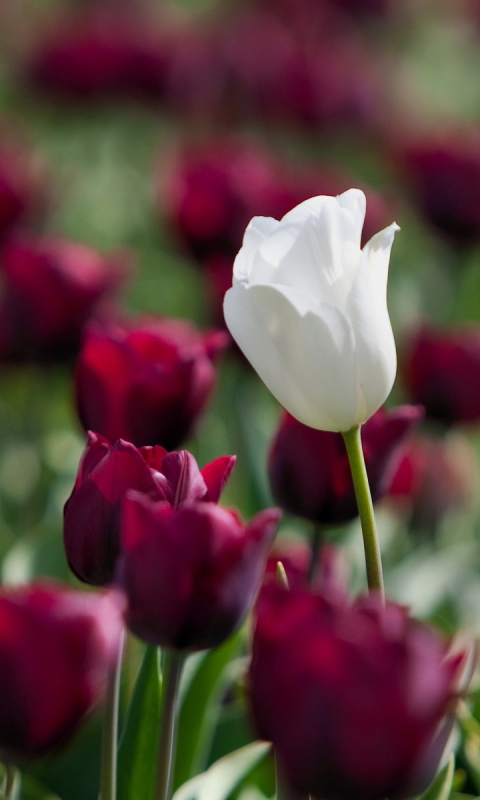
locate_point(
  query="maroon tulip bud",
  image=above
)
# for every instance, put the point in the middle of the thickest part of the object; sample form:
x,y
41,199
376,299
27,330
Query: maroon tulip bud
x,y
434,477
51,287
330,573
100,51
22,185
444,174
357,699
56,647
309,471
148,382
214,189
93,510
190,574
367,8
442,372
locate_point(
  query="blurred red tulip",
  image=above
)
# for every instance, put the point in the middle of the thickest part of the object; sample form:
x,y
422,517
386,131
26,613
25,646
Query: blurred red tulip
x,y
147,381
23,189
434,477
442,372
101,51
93,511
321,76
444,175
357,699
51,287
309,470
213,189
56,647
190,574
295,556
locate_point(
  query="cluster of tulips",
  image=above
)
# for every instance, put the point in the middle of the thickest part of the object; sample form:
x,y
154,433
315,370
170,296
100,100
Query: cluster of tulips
x,y
357,697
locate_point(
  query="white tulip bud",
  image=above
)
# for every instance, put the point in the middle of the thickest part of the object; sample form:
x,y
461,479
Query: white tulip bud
x,y
308,308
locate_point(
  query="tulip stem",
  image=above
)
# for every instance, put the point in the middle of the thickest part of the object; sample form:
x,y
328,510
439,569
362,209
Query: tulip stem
x,y
12,778
353,443
172,672
108,770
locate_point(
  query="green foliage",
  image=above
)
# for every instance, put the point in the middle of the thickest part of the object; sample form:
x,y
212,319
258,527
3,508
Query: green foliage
x,y
223,777
441,786
137,755
199,711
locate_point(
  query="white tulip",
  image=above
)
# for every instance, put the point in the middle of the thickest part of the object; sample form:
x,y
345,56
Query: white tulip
x,y
308,307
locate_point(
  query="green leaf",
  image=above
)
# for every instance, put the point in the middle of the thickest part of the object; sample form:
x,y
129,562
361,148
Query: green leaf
x,y
441,786
220,780
137,754
34,790
199,711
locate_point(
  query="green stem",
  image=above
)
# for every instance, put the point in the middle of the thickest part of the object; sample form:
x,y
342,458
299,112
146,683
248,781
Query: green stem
x,y
315,545
108,769
353,443
172,672
12,778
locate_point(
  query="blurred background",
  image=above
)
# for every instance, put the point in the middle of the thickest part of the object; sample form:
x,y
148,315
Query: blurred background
x,y
137,139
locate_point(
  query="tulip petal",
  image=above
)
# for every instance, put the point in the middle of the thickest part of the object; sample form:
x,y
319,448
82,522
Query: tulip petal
x,y
216,474
256,231
367,310
348,210
309,258
302,349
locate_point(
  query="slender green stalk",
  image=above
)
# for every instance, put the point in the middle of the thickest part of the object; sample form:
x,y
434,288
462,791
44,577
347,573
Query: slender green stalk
x,y
172,672
315,544
12,778
108,769
353,443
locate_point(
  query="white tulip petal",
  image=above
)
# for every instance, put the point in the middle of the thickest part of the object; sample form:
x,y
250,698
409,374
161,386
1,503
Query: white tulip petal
x,y
309,310
307,258
377,252
256,231
302,349
367,310
355,202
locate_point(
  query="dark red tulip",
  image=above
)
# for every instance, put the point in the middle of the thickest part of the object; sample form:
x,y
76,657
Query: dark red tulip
x,y
442,372
357,699
148,381
56,647
100,52
295,557
190,574
298,63
444,174
50,288
309,470
366,8
22,185
434,477
93,510
214,188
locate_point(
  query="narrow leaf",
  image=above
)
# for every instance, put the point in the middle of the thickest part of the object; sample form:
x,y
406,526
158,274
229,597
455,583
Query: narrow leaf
x,y
441,786
137,755
220,780
199,710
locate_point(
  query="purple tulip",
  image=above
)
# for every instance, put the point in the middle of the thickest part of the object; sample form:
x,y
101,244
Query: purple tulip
x,y
190,574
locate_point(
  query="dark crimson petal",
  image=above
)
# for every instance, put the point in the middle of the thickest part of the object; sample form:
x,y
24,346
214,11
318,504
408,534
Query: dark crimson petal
x,y
184,478
190,574
216,475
